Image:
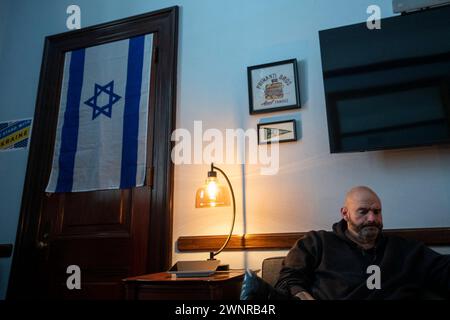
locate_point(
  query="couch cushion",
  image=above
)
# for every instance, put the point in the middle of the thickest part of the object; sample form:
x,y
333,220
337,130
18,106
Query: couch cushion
x,y
271,269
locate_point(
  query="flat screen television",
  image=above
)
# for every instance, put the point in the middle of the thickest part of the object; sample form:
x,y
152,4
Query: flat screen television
x,y
388,88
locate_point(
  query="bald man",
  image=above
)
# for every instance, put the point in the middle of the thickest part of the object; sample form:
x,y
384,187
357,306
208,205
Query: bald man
x,y
357,261
362,211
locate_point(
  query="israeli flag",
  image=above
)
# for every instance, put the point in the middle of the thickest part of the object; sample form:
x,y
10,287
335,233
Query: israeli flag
x,y
101,137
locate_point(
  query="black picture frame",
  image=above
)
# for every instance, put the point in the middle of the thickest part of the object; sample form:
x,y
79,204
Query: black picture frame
x,y
267,84
277,125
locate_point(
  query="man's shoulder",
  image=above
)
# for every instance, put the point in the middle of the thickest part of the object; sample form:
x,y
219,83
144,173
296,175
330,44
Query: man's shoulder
x,y
402,242
318,235
323,233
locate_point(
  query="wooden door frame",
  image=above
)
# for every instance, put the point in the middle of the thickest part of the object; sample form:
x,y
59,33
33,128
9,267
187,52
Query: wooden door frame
x,y
164,23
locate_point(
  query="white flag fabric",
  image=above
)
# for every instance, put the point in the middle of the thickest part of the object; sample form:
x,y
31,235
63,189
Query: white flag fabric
x,y
101,137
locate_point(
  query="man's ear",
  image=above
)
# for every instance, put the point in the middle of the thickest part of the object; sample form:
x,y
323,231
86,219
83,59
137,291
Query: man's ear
x,y
344,213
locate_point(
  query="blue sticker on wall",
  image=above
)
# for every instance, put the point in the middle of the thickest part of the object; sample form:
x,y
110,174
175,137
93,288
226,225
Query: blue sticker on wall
x,y
15,134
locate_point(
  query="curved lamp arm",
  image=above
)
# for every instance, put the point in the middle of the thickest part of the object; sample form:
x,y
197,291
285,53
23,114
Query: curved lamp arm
x,y
212,254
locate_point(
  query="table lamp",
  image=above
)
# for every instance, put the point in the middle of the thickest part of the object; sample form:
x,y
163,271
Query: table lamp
x,y
212,194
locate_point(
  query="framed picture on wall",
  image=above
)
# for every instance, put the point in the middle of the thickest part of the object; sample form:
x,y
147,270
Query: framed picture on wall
x,y
273,87
279,131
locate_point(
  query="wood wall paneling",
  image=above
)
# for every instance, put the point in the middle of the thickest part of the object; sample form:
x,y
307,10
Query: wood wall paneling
x,y
284,241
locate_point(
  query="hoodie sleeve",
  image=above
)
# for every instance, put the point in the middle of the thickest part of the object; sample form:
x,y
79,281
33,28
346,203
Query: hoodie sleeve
x,y
298,267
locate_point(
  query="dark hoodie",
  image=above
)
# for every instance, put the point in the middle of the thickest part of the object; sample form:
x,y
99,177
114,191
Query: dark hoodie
x,y
328,265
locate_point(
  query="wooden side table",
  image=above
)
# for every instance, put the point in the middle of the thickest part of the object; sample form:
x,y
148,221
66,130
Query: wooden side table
x,y
164,286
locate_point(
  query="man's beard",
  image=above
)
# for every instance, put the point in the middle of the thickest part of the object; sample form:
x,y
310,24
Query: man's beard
x,y
367,232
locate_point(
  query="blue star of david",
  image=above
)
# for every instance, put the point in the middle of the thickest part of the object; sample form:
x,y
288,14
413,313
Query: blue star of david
x,y
107,108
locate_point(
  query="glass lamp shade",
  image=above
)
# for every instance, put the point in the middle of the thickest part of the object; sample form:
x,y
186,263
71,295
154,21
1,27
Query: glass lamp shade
x,y
212,194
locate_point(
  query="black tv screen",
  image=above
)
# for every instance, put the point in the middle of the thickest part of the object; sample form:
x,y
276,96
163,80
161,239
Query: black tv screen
x,y
390,87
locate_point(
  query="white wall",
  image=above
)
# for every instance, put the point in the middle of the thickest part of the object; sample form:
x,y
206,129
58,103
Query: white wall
x,y
217,41
310,186
12,164
5,7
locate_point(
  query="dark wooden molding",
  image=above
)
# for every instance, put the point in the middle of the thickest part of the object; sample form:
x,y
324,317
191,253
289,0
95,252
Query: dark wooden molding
x,y
262,241
429,236
161,216
284,241
5,250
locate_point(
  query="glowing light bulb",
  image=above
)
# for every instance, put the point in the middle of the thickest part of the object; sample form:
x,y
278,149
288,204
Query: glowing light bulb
x,y
213,189
212,194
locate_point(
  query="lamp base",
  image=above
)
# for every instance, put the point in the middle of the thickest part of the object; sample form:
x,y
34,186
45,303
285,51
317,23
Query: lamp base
x,y
223,267
196,268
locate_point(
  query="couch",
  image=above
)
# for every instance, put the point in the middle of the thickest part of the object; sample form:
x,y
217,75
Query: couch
x,y
271,269
270,272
